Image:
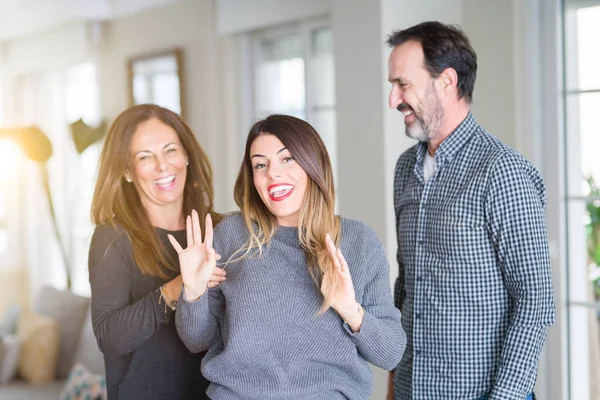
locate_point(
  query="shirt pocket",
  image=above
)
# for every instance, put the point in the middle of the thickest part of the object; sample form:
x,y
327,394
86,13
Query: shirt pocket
x,y
460,236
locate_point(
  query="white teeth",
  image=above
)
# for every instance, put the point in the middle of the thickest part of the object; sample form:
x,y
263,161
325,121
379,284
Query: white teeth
x,y
406,113
165,180
279,190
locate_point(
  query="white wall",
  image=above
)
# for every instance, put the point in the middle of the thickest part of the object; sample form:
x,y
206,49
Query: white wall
x,y
554,363
361,178
489,25
51,50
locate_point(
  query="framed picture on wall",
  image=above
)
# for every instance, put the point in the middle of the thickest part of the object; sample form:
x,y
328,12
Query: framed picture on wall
x,y
157,78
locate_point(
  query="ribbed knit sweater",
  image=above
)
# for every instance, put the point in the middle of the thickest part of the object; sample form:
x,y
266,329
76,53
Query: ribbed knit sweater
x,y
261,328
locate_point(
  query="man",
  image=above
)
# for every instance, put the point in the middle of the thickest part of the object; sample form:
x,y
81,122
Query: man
x,y
474,283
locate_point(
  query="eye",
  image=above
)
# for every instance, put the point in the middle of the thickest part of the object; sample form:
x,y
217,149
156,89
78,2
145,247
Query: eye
x,y
144,157
259,166
288,159
171,150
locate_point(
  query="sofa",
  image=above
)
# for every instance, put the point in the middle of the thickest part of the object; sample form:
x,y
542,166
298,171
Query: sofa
x,y
57,353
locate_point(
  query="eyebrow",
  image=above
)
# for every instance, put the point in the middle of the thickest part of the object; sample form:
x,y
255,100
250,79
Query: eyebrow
x,y
148,151
260,155
398,80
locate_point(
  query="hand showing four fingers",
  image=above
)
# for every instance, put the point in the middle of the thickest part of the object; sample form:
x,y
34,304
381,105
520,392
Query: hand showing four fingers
x,y
344,299
198,260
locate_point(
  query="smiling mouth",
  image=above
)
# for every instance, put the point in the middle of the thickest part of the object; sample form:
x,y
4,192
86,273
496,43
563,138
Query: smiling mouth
x,y
280,192
405,109
165,182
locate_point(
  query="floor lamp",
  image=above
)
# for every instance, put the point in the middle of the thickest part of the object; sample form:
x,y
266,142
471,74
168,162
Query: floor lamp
x,y
38,148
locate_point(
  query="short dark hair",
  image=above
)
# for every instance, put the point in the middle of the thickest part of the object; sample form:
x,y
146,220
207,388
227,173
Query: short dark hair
x,y
444,46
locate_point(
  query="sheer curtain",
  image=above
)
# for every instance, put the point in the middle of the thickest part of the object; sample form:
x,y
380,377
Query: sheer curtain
x,y
51,101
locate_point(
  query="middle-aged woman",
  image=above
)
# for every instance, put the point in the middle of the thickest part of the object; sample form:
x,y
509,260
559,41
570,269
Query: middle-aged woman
x,y
307,302
152,172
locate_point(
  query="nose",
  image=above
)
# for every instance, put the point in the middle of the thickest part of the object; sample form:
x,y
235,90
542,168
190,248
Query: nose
x,y
395,98
274,171
160,163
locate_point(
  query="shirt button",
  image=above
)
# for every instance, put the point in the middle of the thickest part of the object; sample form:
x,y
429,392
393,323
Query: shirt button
x,y
417,352
421,242
419,278
418,315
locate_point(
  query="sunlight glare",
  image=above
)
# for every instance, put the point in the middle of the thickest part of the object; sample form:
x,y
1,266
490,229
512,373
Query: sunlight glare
x,y
10,156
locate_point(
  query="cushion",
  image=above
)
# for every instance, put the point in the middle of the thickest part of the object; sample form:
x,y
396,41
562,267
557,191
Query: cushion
x,y
10,351
8,325
39,348
18,389
88,352
83,385
69,310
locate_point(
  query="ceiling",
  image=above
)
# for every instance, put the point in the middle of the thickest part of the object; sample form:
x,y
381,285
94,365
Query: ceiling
x,y
24,17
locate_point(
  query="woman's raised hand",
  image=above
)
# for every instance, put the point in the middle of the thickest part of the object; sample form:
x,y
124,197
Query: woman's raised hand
x,y
343,300
198,260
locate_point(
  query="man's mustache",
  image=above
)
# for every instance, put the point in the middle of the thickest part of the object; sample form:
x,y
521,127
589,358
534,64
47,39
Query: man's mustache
x,y
404,107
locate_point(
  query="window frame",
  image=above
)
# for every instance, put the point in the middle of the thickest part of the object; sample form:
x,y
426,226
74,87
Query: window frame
x,y
571,164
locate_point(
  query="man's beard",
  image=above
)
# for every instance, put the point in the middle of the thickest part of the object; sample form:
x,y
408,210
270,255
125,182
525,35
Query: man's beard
x,y
428,118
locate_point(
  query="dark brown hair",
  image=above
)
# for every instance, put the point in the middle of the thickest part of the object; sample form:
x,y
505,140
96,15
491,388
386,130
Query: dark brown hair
x,y
444,46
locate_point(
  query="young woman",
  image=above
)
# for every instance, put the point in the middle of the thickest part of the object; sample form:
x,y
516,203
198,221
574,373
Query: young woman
x,y
307,301
152,172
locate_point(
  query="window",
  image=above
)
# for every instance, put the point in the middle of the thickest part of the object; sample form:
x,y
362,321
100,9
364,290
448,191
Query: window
x,y
295,75
10,161
52,101
81,101
582,171
156,79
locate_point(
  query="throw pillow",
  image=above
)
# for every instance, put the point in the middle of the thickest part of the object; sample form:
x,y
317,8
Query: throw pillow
x,y
39,348
83,385
88,352
9,358
8,325
69,310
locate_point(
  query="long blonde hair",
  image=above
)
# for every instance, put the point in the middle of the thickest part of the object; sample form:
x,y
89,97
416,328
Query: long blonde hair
x,y
317,211
117,201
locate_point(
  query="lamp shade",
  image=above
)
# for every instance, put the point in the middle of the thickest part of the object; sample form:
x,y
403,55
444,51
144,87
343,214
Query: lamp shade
x,y
85,135
32,141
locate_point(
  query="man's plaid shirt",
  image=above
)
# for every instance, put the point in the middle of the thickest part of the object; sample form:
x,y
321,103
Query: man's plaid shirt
x,y
474,283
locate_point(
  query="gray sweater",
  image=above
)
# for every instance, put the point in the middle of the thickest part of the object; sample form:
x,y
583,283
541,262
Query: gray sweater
x,y
144,357
262,332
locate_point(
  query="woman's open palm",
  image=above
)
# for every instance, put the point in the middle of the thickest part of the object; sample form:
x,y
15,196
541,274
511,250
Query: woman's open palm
x,y
198,260
344,293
